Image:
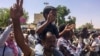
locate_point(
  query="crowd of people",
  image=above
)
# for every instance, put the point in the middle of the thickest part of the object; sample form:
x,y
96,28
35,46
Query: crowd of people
x,y
47,39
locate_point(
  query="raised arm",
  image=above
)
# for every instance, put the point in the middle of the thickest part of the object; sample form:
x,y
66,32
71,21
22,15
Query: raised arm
x,y
40,27
49,19
4,35
16,12
66,29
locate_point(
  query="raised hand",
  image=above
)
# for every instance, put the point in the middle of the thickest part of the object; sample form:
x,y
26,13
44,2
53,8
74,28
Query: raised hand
x,y
51,16
16,11
69,27
72,26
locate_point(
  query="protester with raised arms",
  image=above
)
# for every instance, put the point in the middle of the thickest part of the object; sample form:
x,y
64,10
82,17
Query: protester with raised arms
x,y
16,12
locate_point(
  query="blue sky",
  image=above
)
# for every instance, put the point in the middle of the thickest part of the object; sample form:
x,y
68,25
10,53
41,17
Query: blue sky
x,y
83,10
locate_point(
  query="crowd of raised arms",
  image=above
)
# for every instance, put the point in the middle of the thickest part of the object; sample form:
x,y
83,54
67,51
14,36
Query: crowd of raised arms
x,y
46,39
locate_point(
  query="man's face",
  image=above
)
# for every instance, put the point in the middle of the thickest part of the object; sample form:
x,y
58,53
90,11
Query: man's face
x,y
50,41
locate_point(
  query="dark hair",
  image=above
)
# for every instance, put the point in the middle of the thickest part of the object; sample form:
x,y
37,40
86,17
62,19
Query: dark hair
x,y
84,33
95,35
32,31
47,9
84,29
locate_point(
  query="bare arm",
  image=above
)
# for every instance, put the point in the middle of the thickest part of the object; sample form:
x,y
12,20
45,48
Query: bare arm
x,y
20,39
62,33
50,19
16,12
42,27
66,29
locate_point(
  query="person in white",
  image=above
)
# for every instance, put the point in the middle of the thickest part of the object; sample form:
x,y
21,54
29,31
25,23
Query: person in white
x,y
7,45
94,48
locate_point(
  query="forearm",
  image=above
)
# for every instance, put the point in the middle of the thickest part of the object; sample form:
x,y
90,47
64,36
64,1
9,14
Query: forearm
x,y
4,35
61,33
42,27
20,38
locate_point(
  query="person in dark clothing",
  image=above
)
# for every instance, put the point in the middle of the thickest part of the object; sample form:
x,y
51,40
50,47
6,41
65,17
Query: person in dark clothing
x,y
49,14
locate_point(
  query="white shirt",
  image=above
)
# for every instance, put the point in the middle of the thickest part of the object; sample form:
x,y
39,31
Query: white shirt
x,y
65,43
96,43
32,40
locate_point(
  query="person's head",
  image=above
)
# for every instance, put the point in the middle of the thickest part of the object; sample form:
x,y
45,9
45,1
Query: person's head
x,y
49,41
11,36
84,33
24,31
85,30
32,32
47,9
94,35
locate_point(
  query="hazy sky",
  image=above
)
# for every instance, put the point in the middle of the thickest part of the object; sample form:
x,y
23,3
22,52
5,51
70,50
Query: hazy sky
x,y
83,10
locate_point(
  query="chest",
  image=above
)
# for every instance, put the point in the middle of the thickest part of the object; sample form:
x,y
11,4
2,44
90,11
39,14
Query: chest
x,y
7,52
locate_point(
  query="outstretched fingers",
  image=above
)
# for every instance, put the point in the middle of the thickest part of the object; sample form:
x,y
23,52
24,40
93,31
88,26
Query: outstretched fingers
x,y
17,2
21,3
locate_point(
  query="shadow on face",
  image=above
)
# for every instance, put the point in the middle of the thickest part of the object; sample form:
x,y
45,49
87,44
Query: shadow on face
x,y
50,40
